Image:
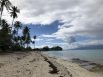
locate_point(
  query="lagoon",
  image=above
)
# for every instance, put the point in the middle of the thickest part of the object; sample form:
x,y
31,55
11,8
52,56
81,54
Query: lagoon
x,y
89,55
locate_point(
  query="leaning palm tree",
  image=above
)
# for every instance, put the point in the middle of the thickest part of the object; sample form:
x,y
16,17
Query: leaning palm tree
x,y
14,11
4,3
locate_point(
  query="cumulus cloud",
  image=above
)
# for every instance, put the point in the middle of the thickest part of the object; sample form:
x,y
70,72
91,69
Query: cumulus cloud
x,y
80,17
44,11
47,36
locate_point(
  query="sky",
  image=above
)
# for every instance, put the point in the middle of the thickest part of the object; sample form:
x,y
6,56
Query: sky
x,y
67,23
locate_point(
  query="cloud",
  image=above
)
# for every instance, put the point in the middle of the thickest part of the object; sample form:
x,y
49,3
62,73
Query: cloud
x,y
89,44
80,17
44,11
47,36
37,40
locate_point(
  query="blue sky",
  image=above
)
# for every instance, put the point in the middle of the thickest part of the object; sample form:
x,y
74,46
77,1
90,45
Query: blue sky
x,y
41,30
45,35
67,23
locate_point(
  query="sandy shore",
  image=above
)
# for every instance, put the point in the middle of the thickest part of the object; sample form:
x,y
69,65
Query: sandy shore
x,y
33,64
30,65
78,71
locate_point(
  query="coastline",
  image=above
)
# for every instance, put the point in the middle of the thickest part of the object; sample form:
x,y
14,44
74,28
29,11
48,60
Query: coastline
x,y
79,71
81,68
36,64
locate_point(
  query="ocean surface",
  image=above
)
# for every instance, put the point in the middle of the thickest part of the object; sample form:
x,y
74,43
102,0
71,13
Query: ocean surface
x,y
89,55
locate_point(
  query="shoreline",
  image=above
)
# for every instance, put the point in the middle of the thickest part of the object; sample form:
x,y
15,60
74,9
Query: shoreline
x,y
78,71
36,64
89,65
91,68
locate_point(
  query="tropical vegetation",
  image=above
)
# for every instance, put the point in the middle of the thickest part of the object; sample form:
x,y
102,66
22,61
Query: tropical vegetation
x,y
10,39
54,48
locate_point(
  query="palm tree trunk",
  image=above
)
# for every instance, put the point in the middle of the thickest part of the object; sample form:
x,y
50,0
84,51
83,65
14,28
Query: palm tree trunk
x,y
34,45
12,22
1,17
17,31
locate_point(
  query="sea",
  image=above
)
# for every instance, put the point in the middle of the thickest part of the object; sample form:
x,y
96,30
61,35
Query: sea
x,y
88,55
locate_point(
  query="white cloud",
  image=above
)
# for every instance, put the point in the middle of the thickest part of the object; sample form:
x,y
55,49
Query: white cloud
x,y
47,36
44,11
38,39
80,17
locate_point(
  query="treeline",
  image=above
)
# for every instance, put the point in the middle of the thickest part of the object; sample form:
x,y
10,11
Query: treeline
x,y
10,39
46,48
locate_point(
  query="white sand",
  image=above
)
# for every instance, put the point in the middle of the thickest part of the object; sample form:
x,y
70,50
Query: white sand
x,y
27,65
34,65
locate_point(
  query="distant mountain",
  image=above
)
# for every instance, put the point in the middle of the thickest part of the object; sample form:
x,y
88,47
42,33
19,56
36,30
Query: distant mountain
x,y
89,47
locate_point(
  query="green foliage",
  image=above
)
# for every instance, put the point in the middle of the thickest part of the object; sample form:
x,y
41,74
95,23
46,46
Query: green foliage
x,y
46,48
5,36
28,49
9,37
16,47
5,3
10,40
26,35
57,48
14,11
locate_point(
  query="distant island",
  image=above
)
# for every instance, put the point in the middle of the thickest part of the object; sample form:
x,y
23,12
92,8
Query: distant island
x,y
46,48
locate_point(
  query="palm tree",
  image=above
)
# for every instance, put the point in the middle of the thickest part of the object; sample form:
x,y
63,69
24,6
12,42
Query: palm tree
x,y
33,42
17,26
14,32
28,40
14,11
26,35
34,37
15,36
26,30
23,41
4,3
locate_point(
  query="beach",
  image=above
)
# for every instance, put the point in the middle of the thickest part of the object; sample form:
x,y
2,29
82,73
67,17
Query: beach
x,y
36,64
78,71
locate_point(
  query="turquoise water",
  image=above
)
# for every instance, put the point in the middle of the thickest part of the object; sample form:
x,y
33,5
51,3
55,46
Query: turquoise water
x,y
90,55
